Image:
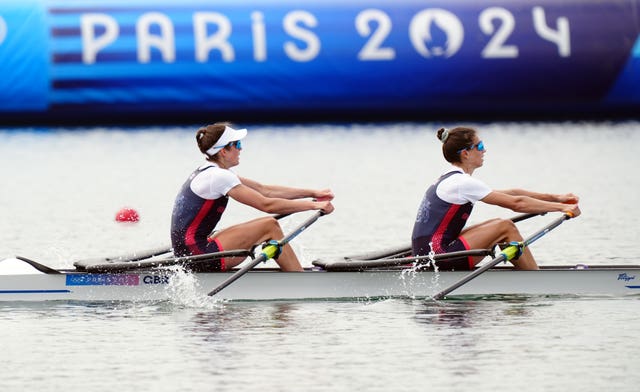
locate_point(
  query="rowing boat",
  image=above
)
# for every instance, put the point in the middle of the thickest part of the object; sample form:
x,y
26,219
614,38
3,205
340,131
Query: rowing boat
x,y
30,281
390,273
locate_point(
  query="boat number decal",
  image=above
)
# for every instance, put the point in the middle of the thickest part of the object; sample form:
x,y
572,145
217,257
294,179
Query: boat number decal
x,y
103,280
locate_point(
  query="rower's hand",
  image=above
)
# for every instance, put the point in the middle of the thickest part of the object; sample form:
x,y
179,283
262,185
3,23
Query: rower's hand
x,y
572,209
323,195
325,206
568,198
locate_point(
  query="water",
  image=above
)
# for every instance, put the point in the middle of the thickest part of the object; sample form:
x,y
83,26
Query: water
x,y
62,189
531,344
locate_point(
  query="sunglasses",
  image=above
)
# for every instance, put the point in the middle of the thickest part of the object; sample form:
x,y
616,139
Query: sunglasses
x,y
237,144
479,146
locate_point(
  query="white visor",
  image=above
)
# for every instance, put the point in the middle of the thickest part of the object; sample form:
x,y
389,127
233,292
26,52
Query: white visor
x,y
229,135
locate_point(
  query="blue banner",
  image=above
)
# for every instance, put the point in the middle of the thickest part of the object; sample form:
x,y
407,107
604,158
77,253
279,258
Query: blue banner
x,y
141,57
24,60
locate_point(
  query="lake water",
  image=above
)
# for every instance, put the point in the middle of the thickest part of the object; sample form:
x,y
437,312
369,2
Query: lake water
x,y
61,190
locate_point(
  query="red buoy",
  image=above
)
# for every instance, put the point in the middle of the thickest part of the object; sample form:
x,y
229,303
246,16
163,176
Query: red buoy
x,y
127,215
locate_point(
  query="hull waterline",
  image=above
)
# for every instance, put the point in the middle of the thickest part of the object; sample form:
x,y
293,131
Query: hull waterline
x,y
263,284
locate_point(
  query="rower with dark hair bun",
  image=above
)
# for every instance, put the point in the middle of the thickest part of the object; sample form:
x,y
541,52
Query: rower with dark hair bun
x,y
447,204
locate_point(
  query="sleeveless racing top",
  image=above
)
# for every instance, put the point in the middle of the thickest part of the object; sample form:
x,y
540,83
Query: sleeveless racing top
x,y
438,221
194,218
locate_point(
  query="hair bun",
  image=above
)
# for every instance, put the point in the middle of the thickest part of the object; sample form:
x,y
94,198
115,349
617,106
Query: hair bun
x,y
443,134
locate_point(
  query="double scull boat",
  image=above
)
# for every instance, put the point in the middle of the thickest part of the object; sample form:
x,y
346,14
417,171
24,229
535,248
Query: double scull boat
x,y
150,276
25,280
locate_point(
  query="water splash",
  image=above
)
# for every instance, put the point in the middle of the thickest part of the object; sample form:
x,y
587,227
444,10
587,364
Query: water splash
x,y
185,290
435,279
408,275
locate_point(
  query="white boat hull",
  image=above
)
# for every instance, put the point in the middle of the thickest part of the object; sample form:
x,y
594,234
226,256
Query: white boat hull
x,y
275,285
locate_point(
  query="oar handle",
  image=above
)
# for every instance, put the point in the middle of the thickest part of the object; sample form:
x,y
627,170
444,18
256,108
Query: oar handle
x,y
521,217
268,252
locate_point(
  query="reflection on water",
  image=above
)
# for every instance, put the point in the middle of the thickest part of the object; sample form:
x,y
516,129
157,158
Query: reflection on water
x,y
232,316
339,344
449,314
470,313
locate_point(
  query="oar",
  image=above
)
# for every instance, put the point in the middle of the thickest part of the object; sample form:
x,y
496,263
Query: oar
x,y
138,256
353,264
402,255
185,261
38,266
508,253
268,252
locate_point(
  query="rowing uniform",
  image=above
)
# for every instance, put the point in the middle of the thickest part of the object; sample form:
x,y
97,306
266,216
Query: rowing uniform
x,y
197,210
444,211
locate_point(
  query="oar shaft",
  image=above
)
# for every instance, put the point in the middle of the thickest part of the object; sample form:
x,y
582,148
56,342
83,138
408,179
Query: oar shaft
x,y
301,228
237,275
471,276
268,252
507,254
184,261
534,237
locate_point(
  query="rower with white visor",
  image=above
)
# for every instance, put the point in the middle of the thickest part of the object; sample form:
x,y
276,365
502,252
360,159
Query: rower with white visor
x,y
204,196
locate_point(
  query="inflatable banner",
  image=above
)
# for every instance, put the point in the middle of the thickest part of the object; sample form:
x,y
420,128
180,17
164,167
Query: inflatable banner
x,y
66,59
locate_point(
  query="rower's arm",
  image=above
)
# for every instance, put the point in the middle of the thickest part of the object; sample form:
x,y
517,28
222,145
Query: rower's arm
x,y
285,192
568,198
528,204
275,205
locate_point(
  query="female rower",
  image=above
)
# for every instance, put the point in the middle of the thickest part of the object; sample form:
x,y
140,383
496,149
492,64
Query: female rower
x,y
204,196
447,204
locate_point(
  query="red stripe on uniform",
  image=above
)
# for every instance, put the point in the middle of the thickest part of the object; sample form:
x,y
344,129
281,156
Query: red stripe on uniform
x,y
190,235
223,266
472,264
436,239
